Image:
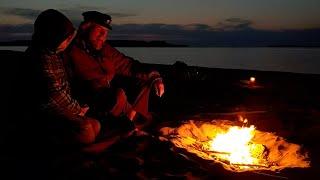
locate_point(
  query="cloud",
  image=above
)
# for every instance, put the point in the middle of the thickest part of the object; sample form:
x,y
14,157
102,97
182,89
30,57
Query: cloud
x,y
234,24
22,12
15,32
78,10
198,27
21,28
237,33
162,29
73,13
121,15
169,32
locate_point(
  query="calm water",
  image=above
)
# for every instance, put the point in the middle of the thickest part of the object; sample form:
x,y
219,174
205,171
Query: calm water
x,y
300,60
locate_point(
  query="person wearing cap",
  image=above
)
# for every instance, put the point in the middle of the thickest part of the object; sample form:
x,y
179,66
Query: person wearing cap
x,y
54,106
96,68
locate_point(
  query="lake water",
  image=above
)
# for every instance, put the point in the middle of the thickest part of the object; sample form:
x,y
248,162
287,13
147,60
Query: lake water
x,y
301,60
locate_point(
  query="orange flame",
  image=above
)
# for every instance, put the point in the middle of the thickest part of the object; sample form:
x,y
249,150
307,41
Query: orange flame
x,y
236,148
235,142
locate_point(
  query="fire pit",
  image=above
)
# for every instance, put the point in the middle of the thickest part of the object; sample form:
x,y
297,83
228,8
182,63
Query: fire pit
x,y
237,146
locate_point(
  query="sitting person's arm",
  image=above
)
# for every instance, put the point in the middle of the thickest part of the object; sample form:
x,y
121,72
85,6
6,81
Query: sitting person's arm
x,y
127,66
60,100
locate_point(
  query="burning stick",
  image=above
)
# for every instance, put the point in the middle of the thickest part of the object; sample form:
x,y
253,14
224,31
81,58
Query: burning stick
x,y
270,175
252,165
194,127
215,152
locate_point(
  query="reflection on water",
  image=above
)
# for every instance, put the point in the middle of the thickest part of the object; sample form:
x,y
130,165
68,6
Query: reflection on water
x,y
301,60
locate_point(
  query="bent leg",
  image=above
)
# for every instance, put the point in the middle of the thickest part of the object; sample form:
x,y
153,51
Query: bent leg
x,y
122,106
141,104
87,131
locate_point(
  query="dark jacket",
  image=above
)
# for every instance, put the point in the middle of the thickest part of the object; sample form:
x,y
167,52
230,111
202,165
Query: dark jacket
x,y
95,70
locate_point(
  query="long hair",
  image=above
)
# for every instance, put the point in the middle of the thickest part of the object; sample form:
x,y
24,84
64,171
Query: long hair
x,y
51,28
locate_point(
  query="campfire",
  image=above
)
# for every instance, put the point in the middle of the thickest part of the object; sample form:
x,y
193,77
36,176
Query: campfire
x,y
237,146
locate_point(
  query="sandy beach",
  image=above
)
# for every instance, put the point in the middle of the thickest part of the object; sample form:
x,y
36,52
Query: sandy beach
x,y
284,103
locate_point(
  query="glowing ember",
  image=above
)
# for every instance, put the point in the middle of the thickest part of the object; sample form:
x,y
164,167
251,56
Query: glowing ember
x,y
252,79
236,148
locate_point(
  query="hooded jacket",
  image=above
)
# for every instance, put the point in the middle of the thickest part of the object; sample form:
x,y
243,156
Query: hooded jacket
x,y
52,92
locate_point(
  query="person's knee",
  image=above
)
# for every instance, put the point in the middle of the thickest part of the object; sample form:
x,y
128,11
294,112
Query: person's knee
x,y
121,96
96,126
122,105
89,131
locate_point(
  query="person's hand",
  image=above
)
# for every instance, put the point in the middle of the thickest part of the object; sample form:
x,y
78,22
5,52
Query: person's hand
x,y
126,135
159,87
141,133
84,110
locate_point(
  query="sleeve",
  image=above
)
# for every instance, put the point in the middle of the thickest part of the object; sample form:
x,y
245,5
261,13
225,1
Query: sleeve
x,y
80,67
127,66
60,100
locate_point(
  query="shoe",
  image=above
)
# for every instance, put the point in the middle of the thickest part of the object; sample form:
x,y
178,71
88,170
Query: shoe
x,y
113,126
143,123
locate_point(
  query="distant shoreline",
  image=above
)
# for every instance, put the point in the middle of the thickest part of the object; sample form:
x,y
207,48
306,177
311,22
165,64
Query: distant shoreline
x,y
116,43
136,43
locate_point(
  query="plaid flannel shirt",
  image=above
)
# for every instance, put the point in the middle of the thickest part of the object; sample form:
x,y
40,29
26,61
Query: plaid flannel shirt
x,y
59,93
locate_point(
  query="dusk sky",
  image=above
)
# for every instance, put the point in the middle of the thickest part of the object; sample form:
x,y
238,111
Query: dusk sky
x,y
192,22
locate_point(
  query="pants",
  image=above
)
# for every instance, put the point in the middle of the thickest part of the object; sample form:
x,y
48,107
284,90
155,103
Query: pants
x,y
74,132
85,132
117,102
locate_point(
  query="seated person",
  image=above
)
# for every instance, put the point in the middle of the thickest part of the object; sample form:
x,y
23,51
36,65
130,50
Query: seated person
x,y
94,63
51,94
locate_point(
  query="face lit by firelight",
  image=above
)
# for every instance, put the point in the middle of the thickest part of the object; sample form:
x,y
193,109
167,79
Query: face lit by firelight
x,y
97,36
